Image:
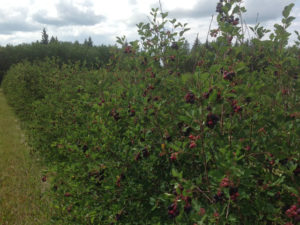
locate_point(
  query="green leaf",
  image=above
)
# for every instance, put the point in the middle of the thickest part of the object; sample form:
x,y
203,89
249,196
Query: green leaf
x,y
290,189
175,173
164,15
287,10
241,66
279,181
173,21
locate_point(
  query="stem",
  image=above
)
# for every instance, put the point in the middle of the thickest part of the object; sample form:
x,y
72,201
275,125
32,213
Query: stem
x,y
230,132
251,130
205,195
212,17
222,120
160,6
202,146
227,211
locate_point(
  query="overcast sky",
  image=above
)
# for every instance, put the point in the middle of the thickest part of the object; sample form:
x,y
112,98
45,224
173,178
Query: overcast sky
x,y
21,21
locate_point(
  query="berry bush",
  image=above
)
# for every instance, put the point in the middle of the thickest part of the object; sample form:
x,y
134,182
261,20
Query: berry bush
x,y
142,142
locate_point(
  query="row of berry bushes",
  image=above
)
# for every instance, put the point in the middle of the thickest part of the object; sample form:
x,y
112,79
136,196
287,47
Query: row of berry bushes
x,y
89,56
142,143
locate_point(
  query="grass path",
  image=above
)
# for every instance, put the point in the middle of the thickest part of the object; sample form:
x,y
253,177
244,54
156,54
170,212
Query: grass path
x,y
21,199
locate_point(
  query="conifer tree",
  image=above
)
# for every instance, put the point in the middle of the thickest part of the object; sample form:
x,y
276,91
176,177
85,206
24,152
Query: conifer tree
x,y
196,45
45,37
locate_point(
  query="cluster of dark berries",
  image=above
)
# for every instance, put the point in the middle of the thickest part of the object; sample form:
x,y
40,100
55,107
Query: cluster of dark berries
x,y
190,98
131,111
128,49
233,191
193,140
173,156
270,159
185,129
145,153
230,19
85,148
188,206
101,102
174,46
150,87
219,197
228,75
207,94
225,182
172,57
234,194
173,210
224,18
211,120
115,114
293,212
167,137
214,33
219,7
219,96
44,178
236,108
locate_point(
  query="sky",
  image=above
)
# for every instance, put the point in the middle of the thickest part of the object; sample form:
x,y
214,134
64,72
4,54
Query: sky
x,y
22,21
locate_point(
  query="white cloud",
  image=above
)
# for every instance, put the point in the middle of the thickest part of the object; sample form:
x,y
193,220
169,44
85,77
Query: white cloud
x,y
70,20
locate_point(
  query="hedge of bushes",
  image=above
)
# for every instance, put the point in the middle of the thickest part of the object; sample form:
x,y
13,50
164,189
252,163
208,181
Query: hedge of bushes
x,y
138,143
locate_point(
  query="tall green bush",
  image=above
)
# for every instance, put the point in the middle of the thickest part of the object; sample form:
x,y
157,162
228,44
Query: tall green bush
x,y
137,144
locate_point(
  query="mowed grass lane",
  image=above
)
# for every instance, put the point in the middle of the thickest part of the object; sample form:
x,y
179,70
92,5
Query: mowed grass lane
x,y
22,200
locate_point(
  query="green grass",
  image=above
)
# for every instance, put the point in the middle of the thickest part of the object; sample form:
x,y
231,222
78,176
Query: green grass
x,y
23,199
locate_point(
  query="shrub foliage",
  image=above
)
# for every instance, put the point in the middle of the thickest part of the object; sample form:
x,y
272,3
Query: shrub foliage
x,y
141,142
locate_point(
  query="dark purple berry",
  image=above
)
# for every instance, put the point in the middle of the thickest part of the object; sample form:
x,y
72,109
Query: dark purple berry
x,y
85,148
146,153
118,216
219,197
206,95
228,75
233,190
211,120
173,210
297,171
187,207
190,98
174,46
